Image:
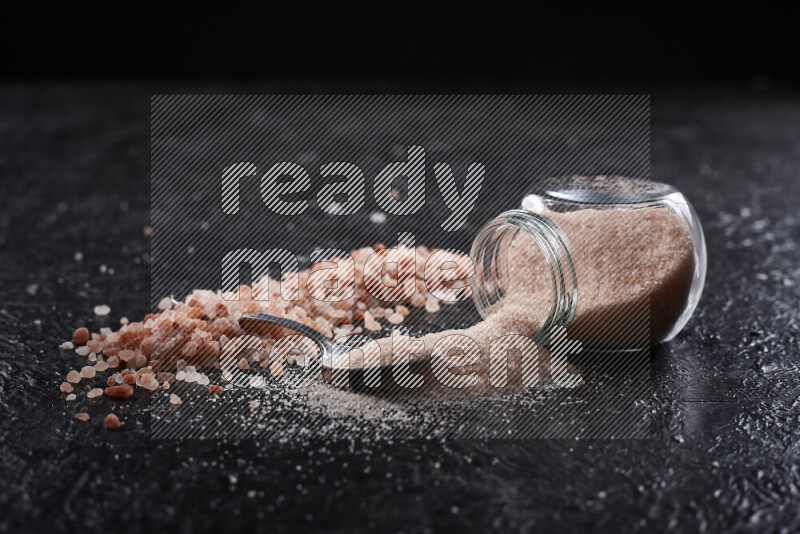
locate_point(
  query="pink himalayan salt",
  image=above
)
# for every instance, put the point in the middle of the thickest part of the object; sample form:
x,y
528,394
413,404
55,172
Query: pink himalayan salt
x,y
395,318
624,260
149,382
112,422
80,336
197,328
88,372
432,305
74,377
122,392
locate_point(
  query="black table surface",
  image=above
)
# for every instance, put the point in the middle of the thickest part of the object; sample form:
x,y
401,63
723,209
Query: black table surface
x,y
722,455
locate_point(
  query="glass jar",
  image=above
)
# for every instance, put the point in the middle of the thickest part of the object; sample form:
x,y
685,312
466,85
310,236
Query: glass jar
x,y
619,262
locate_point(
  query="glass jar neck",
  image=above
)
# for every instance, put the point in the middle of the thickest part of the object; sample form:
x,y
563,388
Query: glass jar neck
x,y
492,283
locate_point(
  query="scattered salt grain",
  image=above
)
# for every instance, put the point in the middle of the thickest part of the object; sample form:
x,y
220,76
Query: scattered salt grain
x,y
370,323
67,345
395,318
121,392
88,372
80,336
82,416
73,376
174,399
149,382
102,310
94,393
71,397
432,305
66,387
82,351
377,217
112,422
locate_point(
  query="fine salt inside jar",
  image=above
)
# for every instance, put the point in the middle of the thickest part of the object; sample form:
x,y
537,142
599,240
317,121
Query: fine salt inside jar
x,y
618,262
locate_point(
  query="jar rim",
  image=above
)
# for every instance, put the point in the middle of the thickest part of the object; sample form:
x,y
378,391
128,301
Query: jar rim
x,y
602,190
556,251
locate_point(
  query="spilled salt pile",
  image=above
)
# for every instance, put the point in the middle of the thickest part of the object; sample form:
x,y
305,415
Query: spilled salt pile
x,y
634,269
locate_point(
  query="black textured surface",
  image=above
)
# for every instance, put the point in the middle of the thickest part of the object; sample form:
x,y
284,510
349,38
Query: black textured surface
x,y
75,165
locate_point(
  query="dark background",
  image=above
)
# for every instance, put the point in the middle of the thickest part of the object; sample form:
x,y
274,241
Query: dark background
x,y
74,165
464,43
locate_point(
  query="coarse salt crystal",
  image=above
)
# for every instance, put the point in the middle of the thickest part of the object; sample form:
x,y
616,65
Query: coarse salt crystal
x,y
102,310
149,382
395,318
112,422
174,399
94,392
122,392
432,305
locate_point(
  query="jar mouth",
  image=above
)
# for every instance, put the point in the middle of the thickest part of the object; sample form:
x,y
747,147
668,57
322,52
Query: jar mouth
x,y
603,191
490,254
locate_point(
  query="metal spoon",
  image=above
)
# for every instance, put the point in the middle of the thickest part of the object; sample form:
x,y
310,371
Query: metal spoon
x,y
331,353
